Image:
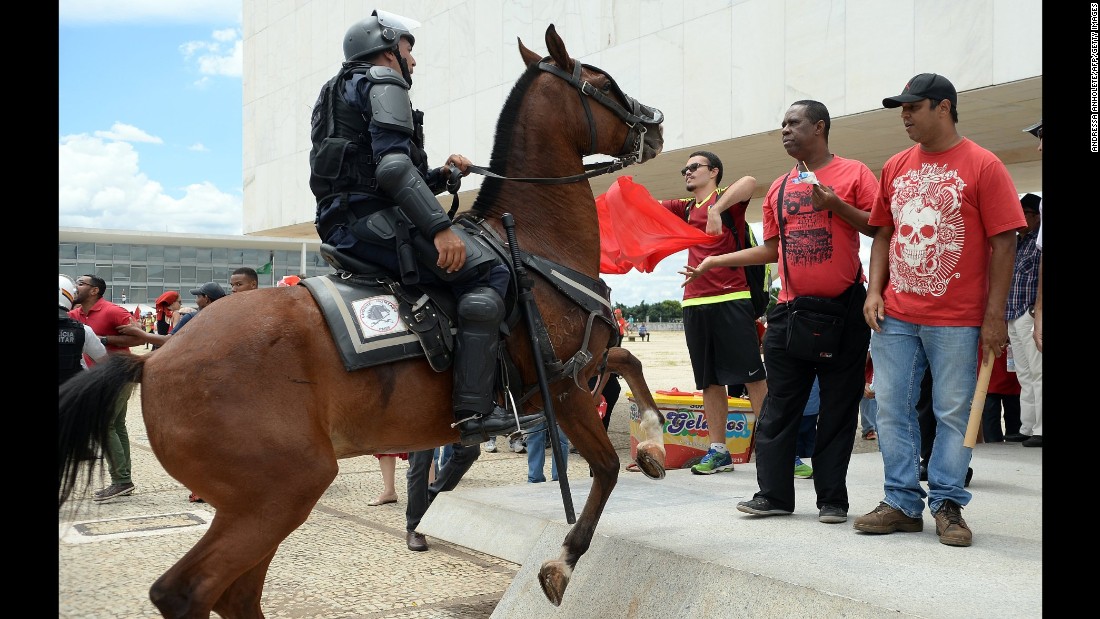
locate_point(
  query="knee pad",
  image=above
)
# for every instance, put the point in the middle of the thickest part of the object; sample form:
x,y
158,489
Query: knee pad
x,y
482,305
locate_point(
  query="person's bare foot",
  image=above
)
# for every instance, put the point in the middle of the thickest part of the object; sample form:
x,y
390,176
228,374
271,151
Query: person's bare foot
x,y
383,499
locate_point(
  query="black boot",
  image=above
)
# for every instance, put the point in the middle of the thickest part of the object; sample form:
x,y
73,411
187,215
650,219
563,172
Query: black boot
x,y
476,412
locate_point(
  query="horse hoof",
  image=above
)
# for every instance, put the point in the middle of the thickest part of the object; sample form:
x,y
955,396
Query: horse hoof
x,y
651,467
554,579
651,460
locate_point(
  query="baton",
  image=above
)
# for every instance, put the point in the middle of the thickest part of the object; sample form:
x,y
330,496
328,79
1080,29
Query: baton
x,y
530,308
977,405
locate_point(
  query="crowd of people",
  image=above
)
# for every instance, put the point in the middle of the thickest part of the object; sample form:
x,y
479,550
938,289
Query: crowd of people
x,y
955,273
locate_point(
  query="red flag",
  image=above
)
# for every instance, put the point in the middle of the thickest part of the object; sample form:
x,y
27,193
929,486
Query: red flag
x,y
636,231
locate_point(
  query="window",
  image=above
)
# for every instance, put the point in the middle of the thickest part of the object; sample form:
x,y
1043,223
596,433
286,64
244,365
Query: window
x,y
66,252
85,251
139,253
171,254
172,275
121,252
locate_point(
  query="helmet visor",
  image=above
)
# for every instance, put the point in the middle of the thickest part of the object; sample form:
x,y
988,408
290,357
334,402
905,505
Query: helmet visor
x,y
395,21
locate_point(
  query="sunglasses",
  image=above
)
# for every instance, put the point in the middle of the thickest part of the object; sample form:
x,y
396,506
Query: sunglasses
x,y
691,167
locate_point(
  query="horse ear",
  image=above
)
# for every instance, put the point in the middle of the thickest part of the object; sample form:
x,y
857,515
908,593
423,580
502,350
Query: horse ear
x,y
557,49
529,57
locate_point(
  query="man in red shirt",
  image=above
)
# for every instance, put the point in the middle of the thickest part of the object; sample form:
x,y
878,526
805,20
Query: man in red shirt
x,y
941,266
104,317
719,322
811,229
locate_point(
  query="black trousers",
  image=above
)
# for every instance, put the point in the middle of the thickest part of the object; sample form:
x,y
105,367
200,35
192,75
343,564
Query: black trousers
x,y
420,493
789,383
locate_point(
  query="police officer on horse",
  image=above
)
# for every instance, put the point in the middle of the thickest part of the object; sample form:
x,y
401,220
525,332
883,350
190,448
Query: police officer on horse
x,y
376,202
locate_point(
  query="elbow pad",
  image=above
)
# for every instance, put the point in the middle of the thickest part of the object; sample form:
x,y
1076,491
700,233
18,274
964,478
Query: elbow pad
x,y
399,178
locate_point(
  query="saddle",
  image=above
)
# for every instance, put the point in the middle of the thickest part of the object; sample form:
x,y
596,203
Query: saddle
x,y
376,320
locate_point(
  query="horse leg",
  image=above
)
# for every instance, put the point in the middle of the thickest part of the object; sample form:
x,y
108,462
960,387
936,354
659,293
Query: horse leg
x,y
651,451
586,432
225,570
242,598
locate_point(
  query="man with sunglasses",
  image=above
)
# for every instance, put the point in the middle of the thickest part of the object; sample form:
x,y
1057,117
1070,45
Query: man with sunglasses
x,y
104,317
719,322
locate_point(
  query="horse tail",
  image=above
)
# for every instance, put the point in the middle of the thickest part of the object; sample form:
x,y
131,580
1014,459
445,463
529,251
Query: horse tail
x,y
85,404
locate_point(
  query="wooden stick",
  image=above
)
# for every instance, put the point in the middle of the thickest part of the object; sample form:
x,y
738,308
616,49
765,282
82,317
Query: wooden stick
x,y
977,405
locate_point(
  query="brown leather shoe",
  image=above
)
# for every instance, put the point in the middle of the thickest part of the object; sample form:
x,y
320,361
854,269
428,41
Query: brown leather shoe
x,y
416,542
886,519
950,525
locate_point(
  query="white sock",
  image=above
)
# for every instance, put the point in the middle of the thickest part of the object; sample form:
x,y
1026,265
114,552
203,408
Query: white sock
x,y
719,447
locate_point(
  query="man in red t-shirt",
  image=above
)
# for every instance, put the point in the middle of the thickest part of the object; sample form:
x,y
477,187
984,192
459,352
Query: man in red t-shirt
x,y
813,233
104,317
719,322
941,266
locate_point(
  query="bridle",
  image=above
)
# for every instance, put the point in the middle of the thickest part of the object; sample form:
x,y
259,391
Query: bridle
x,y
633,118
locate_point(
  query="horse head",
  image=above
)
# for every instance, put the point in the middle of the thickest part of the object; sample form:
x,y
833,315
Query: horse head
x,y
640,136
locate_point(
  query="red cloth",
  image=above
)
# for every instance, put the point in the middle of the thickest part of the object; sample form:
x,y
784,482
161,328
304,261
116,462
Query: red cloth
x,y
1001,381
636,231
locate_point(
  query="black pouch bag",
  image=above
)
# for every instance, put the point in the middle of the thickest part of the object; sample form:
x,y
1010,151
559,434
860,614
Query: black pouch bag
x,y
815,326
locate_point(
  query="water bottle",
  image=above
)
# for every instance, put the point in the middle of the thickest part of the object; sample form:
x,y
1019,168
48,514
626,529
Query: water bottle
x,y
1010,361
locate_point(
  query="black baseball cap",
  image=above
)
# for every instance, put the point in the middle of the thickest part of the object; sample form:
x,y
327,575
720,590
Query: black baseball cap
x,y
1030,202
924,86
211,290
1035,129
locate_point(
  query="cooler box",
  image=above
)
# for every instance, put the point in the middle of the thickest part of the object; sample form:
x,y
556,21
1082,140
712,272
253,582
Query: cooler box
x,y
685,432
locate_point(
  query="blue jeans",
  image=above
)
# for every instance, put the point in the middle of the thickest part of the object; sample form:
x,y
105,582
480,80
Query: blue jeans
x,y
902,351
536,454
868,413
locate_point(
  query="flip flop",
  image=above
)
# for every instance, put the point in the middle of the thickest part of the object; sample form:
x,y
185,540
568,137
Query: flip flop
x,y
633,468
376,502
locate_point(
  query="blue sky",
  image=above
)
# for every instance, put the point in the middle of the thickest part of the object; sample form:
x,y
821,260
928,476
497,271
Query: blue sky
x,y
149,115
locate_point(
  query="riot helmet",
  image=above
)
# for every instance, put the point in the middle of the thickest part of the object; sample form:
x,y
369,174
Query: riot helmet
x,y
380,31
66,292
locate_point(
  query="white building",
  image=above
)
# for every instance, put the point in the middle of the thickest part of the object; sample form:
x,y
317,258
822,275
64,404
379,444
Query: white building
x,y
722,71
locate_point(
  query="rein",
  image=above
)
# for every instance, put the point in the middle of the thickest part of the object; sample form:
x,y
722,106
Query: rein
x,y
585,90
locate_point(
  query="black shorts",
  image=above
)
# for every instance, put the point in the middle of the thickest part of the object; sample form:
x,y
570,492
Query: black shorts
x,y
723,343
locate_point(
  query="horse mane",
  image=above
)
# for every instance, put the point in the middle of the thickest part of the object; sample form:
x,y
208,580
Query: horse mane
x,y
502,140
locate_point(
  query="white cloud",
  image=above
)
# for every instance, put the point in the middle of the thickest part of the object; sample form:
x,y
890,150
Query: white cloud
x,y
121,132
223,55
80,12
100,185
198,147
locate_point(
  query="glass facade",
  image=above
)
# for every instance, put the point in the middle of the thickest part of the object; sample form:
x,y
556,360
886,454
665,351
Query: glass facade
x,y
138,274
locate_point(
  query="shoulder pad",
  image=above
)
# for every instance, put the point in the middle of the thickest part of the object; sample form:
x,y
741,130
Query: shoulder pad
x,y
391,107
386,75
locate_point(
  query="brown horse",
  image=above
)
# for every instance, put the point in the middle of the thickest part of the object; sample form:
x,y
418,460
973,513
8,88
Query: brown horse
x,y
263,458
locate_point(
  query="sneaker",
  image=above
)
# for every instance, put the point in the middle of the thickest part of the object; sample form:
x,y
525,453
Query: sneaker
x,y
760,506
713,462
886,519
490,445
113,492
802,470
950,525
1035,440
832,514
1016,438
517,445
